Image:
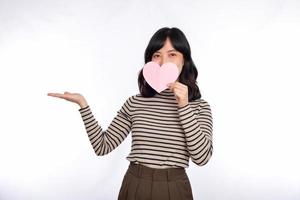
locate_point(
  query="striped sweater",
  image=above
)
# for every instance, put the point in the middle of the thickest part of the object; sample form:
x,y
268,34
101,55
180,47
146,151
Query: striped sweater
x,y
163,134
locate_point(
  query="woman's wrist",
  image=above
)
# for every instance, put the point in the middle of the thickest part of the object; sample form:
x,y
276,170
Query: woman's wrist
x,y
83,104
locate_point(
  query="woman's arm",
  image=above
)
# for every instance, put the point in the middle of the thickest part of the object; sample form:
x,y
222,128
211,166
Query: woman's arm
x,y
198,129
104,141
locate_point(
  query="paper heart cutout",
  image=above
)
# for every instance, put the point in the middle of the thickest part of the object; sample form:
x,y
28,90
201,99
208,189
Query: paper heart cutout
x,y
159,76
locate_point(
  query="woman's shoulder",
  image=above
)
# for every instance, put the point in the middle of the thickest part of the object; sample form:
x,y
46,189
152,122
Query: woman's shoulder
x,y
201,103
131,99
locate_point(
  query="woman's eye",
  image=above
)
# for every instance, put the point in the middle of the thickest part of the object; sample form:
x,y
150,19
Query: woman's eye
x,y
155,56
173,54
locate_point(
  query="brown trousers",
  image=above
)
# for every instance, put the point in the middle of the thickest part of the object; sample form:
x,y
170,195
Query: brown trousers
x,y
144,183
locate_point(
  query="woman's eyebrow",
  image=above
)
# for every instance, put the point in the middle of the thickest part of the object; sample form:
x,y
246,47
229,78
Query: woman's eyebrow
x,y
172,50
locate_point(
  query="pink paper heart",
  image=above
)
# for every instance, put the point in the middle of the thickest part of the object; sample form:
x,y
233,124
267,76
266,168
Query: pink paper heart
x,y
159,76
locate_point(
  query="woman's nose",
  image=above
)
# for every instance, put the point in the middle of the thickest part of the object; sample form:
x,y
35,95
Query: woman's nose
x,y
163,60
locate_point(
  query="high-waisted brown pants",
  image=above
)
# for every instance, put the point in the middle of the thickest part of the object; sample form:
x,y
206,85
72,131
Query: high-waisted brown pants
x,y
144,183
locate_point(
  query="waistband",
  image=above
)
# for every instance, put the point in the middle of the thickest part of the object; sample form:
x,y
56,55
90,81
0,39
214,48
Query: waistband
x,y
142,171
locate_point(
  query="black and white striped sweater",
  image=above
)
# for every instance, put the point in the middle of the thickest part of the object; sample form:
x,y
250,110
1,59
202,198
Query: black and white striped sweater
x,y
163,134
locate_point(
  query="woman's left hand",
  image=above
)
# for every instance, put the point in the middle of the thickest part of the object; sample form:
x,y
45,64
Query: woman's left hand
x,y
181,93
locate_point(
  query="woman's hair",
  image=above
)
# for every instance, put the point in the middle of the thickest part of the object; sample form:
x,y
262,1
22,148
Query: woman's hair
x,y
189,71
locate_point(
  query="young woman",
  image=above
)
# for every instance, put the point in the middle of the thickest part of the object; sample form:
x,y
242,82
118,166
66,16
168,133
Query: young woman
x,y
167,128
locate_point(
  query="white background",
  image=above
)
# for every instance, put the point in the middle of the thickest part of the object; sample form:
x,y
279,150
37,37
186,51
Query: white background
x,y
247,55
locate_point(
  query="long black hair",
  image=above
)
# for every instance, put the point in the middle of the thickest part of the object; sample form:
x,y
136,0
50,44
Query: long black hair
x,y
189,73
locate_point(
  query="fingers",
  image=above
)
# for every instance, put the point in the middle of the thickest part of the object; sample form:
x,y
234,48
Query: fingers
x,y
176,85
59,95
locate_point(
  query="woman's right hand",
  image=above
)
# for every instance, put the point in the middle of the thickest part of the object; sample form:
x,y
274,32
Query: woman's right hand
x,y
73,97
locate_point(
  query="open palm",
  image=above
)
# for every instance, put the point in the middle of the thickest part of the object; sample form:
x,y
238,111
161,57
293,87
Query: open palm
x,y
72,97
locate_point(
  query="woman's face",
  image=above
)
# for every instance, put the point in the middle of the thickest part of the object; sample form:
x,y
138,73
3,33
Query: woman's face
x,y
168,54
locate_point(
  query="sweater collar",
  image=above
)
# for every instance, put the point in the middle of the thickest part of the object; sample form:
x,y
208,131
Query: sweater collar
x,y
166,91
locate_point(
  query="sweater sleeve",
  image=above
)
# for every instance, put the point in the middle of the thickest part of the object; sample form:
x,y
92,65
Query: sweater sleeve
x,y
105,141
198,128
